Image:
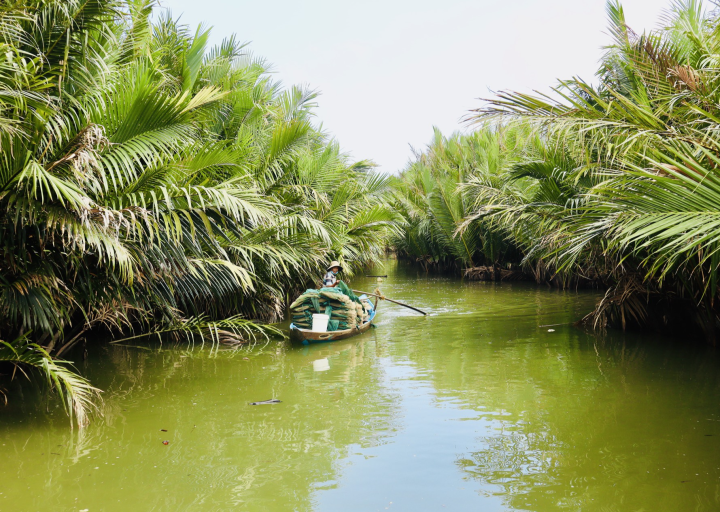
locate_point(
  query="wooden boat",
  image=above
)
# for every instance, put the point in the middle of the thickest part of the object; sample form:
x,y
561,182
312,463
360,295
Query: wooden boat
x,y
306,336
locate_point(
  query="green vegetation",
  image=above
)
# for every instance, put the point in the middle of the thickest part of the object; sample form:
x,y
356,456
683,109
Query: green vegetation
x,y
615,184
152,185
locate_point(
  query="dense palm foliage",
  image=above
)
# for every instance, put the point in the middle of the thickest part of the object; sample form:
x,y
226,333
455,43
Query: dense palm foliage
x,y
429,197
151,184
615,183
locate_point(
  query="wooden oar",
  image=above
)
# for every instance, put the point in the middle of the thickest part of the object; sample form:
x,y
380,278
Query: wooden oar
x,y
393,301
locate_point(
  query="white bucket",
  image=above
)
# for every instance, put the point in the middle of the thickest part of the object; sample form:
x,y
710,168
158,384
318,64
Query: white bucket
x,y
320,322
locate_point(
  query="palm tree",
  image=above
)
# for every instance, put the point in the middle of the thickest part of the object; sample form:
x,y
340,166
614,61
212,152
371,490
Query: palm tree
x,y
152,186
614,184
648,138
436,194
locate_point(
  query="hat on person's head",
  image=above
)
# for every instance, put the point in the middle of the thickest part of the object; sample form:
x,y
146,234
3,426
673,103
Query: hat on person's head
x,y
335,264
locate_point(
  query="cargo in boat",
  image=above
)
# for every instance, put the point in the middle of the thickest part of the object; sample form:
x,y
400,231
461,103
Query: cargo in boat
x,y
347,316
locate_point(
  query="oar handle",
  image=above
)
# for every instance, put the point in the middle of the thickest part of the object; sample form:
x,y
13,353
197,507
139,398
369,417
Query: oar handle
x,y
393,301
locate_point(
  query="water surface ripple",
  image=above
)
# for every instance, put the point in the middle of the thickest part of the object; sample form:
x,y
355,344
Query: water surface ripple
x,y
474,407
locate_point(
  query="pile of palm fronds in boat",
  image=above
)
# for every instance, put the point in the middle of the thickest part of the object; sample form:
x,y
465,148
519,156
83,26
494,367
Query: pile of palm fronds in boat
x,y
345,312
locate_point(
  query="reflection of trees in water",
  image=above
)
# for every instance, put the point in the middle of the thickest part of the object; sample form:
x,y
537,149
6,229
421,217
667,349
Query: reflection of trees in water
x,y
222,452
517,461
576,422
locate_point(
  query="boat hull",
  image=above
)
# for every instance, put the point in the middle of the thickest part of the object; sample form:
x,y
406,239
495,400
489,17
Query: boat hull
x,y
306,337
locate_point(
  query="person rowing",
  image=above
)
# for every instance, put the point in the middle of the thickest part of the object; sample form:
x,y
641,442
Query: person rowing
x,y
330,280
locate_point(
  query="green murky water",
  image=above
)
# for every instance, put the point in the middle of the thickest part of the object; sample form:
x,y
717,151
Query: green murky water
x,y
472,408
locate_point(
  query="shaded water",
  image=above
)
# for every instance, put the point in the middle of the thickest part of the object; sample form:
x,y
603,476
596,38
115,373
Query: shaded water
x,y
472,408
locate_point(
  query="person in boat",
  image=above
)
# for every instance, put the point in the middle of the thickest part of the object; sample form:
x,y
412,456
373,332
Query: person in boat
x,y
330,280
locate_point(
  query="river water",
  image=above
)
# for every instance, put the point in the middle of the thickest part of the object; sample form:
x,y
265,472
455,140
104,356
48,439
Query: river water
x,y
475,407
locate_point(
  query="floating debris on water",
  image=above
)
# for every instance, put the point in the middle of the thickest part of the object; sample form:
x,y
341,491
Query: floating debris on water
x,y
265,402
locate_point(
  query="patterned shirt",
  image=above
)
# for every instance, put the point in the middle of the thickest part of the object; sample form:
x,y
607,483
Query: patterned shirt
x,y
329,279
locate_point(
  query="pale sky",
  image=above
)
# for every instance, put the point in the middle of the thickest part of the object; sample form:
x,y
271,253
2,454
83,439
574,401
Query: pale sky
x,y
388,71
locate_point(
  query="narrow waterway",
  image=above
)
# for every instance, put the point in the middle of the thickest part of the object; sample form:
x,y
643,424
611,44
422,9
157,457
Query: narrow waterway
x,y
475,407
